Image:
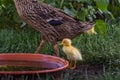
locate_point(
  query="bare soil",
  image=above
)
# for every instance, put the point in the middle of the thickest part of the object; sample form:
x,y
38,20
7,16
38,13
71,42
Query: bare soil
x,y
86,72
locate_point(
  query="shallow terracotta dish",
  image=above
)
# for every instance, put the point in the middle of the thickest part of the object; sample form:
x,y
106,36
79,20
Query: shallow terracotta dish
x,y
52,63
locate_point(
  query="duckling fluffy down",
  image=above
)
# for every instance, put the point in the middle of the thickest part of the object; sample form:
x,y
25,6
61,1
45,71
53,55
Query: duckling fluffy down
x,y
72,53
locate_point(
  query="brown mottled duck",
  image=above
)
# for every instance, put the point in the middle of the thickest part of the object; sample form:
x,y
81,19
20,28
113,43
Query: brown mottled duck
x,y
53,24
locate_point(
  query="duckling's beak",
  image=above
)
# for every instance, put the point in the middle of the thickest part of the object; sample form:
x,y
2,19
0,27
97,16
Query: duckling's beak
x,y
60,43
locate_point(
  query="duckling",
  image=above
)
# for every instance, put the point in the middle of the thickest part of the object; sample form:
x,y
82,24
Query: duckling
x,y
91,31
72,53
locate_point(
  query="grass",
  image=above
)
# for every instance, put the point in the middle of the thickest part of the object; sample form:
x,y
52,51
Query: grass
x,y
96,49
26,40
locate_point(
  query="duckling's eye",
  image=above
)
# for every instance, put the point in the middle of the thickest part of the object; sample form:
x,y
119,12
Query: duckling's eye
x,y
63,41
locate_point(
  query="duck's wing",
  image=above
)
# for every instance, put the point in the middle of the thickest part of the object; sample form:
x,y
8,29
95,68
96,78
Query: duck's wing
x,y
52,15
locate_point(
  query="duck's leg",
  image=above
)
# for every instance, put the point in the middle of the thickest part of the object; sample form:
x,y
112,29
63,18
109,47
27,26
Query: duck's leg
x,y
40,46
56,48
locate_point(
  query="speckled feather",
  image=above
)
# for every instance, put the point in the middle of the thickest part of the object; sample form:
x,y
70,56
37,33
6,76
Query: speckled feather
x,y
39,15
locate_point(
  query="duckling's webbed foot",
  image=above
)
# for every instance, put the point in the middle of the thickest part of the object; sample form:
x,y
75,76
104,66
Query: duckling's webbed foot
x,y
73,65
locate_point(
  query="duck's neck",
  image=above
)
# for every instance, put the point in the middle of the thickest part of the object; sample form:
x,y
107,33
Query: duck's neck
x,y
24,0
21,4
17,2
21,1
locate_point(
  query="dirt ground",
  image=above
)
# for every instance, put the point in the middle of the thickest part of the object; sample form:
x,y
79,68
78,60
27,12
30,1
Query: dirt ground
x,y
86,72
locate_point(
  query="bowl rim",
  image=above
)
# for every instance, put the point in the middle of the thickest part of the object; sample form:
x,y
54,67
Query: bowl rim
x,y
65,62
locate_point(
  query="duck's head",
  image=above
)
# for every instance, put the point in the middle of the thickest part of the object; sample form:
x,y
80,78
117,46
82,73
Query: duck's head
x,y
66,42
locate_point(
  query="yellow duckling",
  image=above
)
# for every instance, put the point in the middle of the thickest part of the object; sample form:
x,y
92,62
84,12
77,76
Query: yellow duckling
x,y
72,53
91,31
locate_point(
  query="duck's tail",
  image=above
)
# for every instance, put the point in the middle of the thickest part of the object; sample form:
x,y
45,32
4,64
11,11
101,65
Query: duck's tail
x,y
86,26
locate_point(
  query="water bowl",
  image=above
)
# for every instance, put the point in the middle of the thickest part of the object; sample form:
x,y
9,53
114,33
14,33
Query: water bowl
x,y
28,63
